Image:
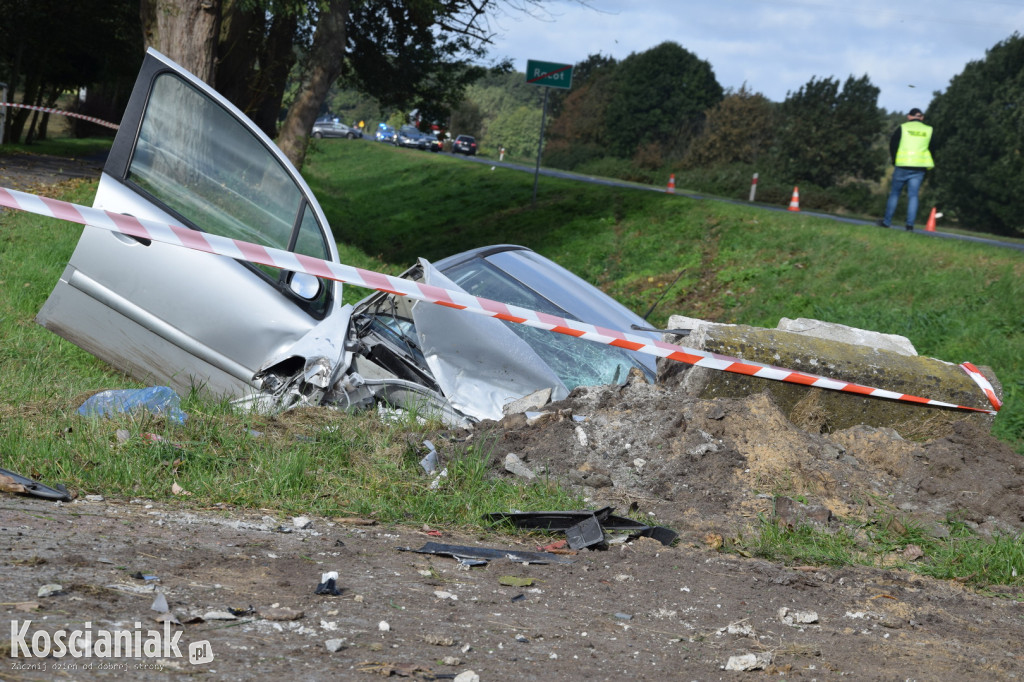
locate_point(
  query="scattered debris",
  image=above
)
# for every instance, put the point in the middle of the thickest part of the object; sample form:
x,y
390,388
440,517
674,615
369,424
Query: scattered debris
x,y
514,581
178,490
429,461
383,626
302,522
329,584
11,482
397,669
514,465
51,590
160,603
438,640
485,554
280,613
160,400
219,615
797,618
584,528
335,645
757,661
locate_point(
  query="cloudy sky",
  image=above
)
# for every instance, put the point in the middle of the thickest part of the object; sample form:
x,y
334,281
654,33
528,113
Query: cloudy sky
x,y
908,48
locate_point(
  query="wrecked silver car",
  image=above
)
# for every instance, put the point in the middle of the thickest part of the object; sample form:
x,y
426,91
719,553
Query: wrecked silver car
x,y
271,338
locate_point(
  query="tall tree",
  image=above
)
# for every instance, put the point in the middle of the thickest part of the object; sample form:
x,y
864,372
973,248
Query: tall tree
x,y
738,129
978,141
580,133
401,51
184,30
659,96
48,47
827,133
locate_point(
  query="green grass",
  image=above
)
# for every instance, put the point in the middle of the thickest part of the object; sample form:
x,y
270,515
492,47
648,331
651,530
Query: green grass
x,y
727,262
956,301
960,555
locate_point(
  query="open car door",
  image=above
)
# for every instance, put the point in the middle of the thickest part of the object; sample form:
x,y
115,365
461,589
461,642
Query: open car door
x,y
164,314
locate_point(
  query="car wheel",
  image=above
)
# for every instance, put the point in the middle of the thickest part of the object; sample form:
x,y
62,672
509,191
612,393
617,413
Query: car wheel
x,y
350,136
318,135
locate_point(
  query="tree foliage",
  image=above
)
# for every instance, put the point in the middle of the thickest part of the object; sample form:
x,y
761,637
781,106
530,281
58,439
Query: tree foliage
x,y
48,47
738,129
827,134
978,141
580,133
659,96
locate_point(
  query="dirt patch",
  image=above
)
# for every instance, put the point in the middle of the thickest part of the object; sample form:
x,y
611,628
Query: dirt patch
x,y
638,611
716,464
39,172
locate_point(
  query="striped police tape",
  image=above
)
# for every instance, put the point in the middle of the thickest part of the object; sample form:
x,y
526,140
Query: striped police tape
x,y
61,112
254,253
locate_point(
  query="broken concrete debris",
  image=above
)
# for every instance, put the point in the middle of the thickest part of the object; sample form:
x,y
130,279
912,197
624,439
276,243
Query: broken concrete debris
x,y
758,661
838,352
50,590
516,466
797,618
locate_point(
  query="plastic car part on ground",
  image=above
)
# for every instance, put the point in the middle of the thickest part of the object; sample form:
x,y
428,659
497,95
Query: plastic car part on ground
x,y
159,400
485,554
584,528
26,486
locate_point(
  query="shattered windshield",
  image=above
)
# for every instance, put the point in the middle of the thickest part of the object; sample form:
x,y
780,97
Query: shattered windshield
x,y
577,362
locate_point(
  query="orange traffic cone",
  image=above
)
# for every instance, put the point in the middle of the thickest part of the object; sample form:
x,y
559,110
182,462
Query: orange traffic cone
x,y
794,203
930,225
671,184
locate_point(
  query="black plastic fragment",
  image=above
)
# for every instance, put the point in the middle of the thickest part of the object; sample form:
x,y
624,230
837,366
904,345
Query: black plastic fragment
x,y
488,553
37,489
566,520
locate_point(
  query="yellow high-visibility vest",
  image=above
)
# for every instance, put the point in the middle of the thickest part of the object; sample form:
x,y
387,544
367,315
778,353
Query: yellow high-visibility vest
x,y
913,150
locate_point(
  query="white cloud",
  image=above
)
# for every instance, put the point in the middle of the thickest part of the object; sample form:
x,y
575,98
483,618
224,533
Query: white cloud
x,y
777,46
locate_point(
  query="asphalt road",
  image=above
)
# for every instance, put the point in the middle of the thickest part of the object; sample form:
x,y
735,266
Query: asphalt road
x,y
549,172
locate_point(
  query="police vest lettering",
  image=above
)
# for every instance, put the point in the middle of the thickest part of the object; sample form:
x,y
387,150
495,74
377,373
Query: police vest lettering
x,y
913,151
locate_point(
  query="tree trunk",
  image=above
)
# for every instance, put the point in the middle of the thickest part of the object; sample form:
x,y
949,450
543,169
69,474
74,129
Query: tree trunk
x,y
276,61
325,64
184,30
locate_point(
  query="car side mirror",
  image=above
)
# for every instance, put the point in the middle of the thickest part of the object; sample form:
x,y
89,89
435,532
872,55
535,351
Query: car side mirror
x,y
304,285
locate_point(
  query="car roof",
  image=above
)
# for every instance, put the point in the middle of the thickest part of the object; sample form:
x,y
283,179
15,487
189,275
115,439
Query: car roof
x,y
580,299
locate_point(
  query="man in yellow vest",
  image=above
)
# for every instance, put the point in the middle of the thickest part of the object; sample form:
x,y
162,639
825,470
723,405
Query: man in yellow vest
x,y
911,158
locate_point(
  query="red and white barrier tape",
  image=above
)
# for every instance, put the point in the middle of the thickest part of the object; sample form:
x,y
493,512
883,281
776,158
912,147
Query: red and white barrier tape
x,y
61,112
986,386
286,260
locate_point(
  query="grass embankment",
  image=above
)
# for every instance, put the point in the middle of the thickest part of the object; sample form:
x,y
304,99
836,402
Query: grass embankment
x,y
731,263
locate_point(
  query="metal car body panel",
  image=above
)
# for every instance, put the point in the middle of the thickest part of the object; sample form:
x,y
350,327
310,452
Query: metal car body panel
x,y
479,363
558,291
270,339
177,316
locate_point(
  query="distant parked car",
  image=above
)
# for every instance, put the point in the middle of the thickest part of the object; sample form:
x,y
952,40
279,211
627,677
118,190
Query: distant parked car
x,y
411,136
386,134
328,126
464,144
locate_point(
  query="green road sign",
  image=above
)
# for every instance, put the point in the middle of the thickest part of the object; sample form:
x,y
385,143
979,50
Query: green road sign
x,y
549,74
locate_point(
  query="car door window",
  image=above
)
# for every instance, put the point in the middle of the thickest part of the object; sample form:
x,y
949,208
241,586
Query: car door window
x,y
199,161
